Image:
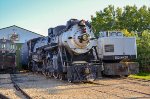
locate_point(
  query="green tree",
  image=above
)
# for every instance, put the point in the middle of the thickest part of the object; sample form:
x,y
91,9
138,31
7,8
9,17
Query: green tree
x,y
104,20
143,48
130,18
118,18
144,18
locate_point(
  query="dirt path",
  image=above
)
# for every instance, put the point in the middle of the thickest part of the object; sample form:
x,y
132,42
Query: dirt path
x,y
39,87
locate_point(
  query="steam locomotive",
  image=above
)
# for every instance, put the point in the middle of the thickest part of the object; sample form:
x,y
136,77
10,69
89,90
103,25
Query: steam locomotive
x,y
7,56
68,52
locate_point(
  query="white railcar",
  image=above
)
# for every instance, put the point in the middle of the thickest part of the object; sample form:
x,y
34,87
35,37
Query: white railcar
x,y
114,49
113,46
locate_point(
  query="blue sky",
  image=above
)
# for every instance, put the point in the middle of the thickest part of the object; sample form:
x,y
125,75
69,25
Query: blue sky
x,y
39,15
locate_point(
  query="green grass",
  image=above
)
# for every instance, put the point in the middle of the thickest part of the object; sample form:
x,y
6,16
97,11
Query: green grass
x,y
141,75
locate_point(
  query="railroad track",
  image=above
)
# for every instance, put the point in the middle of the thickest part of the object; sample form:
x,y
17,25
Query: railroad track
x,y
16,86
96,88
100,91
118,87
141,80
137,81
3,96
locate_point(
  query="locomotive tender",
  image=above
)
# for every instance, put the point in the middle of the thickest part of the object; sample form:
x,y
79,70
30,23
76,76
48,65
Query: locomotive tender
x,y
117,53
7,55
69,52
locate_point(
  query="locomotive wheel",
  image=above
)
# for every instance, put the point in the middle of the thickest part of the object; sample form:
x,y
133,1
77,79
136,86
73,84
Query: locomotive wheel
x,y
46,73
43,72
61,77
55,75
50,74
70,80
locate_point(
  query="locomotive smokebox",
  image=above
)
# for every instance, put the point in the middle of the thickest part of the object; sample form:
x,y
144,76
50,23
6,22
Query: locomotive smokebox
x,y
77,38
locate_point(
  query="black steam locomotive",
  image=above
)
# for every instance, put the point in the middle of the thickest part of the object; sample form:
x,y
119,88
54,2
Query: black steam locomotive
x,y
68,52
7,55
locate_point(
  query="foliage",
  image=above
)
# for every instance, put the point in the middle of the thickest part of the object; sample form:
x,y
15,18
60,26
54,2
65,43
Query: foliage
x,y
130,18
129,34
143,48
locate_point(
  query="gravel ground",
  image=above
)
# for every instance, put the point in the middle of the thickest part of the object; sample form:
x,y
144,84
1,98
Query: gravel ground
x,y
40,87
6,87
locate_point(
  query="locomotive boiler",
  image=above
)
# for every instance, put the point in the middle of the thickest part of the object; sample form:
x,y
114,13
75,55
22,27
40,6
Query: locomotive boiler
x,y
7,55
69,52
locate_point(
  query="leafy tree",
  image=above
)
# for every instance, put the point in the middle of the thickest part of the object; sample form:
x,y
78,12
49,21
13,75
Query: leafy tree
x,y
130,18
144,18
104,20
143,44
118,18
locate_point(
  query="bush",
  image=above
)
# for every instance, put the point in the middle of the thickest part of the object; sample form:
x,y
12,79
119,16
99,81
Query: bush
x,y
143,49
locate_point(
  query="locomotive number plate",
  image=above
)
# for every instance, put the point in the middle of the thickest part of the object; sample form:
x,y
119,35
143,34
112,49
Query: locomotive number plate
x,y
121,57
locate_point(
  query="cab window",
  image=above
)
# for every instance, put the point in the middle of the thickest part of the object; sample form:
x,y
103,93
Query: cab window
x,y
3,46
12,46
119,33
113,34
